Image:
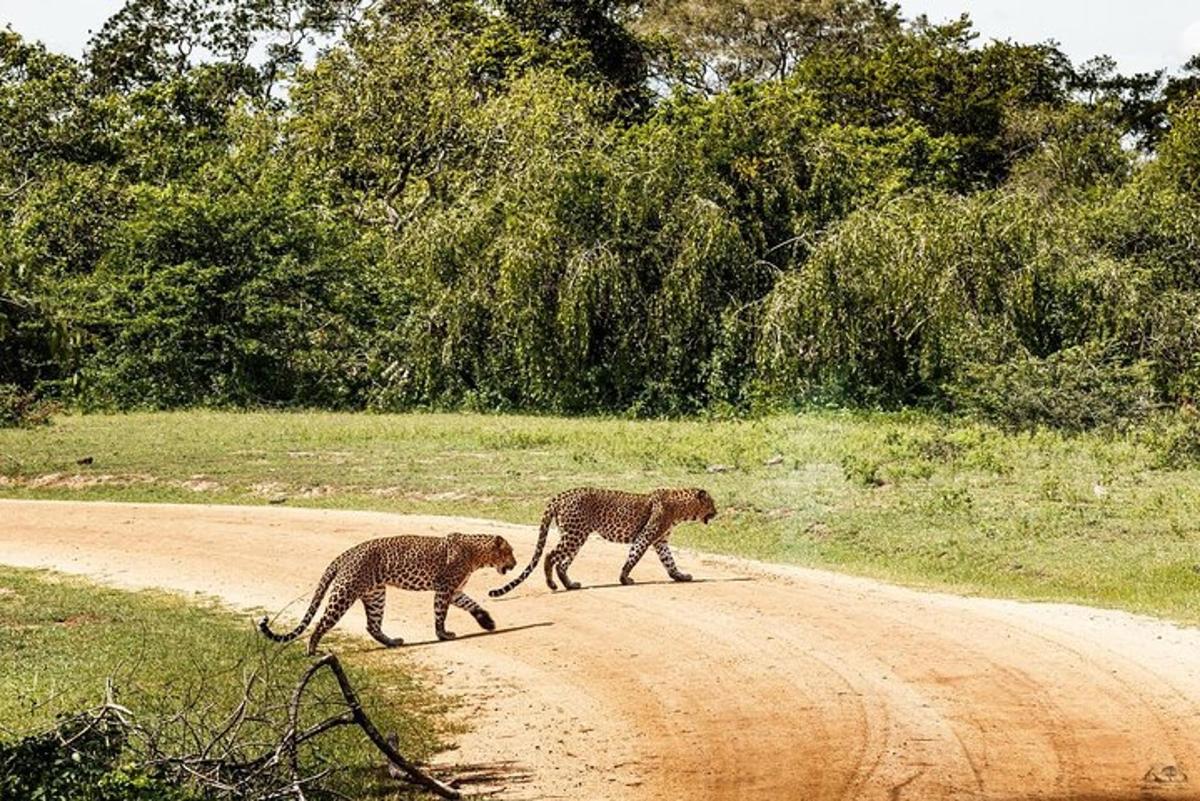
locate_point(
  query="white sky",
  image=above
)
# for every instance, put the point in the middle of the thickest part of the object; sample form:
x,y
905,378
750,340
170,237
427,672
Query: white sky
x,y
1141,35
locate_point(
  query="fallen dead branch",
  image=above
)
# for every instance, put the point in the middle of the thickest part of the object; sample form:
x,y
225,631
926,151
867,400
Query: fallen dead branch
x,y
248,753
397,764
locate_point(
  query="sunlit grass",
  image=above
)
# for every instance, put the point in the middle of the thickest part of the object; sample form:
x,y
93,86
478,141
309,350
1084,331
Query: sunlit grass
x,y
909,497
62,640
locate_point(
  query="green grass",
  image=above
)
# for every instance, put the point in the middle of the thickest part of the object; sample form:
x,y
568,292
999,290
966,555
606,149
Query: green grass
x,y
908,497
62,639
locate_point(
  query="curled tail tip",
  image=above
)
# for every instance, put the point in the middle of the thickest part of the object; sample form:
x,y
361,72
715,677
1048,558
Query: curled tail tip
x,y
496,593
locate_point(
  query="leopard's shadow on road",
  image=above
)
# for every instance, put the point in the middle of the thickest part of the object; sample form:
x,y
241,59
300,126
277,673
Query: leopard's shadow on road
x,y
618,585
471,636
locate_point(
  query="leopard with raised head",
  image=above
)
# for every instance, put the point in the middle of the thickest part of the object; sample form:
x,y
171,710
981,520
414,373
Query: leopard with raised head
x,y
642,520
441,564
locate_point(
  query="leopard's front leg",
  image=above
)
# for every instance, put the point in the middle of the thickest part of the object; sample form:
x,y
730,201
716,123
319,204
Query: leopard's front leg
x,y
463,601
441,604
668,561
649,534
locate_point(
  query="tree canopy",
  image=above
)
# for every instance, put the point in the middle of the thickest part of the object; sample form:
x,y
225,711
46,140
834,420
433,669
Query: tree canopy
x,y
588,205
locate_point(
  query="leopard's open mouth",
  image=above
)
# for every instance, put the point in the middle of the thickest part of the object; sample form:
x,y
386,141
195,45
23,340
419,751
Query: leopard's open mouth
x,y
708,517
505,568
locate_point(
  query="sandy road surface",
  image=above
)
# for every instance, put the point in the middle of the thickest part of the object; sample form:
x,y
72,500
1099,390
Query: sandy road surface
x,y
757,682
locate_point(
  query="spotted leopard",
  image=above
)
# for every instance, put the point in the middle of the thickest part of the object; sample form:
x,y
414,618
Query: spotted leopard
x,y
441,564
644,521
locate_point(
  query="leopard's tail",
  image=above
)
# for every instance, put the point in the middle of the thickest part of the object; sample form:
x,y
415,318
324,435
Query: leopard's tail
x,y
318,594
547,518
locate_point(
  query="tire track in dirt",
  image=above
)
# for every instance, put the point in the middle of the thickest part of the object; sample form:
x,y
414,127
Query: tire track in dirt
x,y
757,682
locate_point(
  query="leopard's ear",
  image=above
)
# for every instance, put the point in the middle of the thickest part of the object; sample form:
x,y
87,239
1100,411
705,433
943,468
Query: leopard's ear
x,y
498,541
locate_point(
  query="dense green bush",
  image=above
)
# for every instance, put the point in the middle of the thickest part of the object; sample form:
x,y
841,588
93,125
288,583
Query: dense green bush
x,y
81,760
899,299
1074,389
20,407
1176,440
461,205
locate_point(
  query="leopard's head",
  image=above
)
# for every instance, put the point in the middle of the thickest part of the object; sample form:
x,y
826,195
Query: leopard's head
x,y
501,555
700,505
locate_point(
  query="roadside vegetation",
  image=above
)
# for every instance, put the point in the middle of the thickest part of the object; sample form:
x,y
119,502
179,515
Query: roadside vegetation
x,y
179,667
1106,519
581,207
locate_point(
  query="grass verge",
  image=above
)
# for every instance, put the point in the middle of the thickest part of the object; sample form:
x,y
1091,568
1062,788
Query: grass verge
x,y
62,639
1107,520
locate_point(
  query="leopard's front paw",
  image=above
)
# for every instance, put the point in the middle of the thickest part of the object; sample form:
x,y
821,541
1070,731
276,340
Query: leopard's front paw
x,y
681,576
446,635
626,580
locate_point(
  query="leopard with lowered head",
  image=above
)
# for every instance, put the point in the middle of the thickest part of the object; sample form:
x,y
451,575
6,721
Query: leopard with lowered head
x,y
441,564
642,520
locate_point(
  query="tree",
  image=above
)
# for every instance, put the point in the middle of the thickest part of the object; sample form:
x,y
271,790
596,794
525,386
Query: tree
x,y
1179,154
149,41
936,76
379,120
713,44
56,145
601,29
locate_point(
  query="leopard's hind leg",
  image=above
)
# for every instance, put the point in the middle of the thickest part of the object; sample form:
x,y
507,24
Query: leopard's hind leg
x,y
340,599
636,551
561,557
463,601
373,602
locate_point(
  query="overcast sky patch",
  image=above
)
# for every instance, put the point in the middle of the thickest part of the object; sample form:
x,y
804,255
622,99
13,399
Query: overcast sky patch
x,y
1142,35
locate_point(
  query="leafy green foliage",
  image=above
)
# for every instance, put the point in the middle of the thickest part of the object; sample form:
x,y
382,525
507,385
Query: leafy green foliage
x,y
150,41
79,760
1181,148
1073,390
246,298
19,407
582,206
712,44
1178,441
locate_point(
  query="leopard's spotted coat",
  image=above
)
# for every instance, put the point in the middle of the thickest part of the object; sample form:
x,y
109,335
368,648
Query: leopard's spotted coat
x,y
644,521
441,564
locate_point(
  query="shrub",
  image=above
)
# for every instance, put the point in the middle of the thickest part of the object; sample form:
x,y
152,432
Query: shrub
x,y
21,408
1176,444
1075,389
80,760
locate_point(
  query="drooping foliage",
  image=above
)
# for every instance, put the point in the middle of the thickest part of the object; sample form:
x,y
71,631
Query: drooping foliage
x,y
592,206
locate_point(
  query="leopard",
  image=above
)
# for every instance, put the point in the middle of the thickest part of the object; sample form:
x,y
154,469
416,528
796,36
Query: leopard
x,y
364,572
642,520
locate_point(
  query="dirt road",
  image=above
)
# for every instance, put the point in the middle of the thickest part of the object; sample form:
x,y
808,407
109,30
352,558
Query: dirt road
x,y
753,682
